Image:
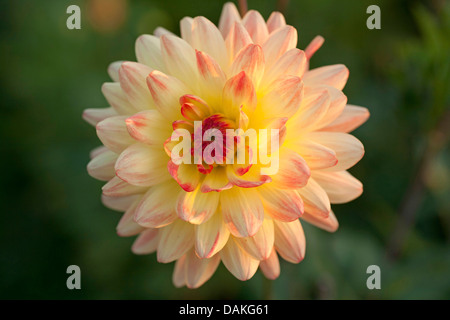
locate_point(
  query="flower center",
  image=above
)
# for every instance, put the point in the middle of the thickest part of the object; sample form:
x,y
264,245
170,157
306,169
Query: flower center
x,y
211,143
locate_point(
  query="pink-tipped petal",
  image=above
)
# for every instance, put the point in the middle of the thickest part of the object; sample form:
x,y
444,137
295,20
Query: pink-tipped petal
x,y
157,207
197,207
292,62
260,245
179,59
148,127
211,236
166,92
350,119
341,187
314,46
146,243
275,21
349,150
118,99
94,116
281,204
228,17
102,166
237,261
256,26
271,266
198,271
187,175
175,240
120,204
293,170
113,70
127,227
329,223
238,91
335,76
207,38
132,80
280,41
148,52
113,133
216,181
251,60
315,199
116,187
237,39
290,240
142,165
242,211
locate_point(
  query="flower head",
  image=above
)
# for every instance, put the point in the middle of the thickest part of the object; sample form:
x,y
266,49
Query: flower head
x,y
175,151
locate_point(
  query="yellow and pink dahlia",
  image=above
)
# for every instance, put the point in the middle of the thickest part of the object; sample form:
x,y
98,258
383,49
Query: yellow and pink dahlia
x,y
245,74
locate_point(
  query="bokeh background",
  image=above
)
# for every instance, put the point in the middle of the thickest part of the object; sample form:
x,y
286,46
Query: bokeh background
x,y
51,214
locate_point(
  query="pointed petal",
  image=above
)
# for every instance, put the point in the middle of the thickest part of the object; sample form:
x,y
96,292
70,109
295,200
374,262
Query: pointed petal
x,y
341,187
237,261
211,236
166,92
117,98
113,133
334,76
316,155
119,203
179,273
149,127
187,175
253,178
127,227
237,39
94,116
175,240
198,271
315,199
292,62
146,243
283,205
102,166
217,180
242,211
338,101
350,119
314,46
275,21
290,240
157,207
132,80
160,31
148,52
251,60
179,60
260,246
113,70
213,77
293,171
228,17
238,91
116,187
186,29
284,99
280,41
142,165
329,223
207,38
256,26
197,207
271,266
348,149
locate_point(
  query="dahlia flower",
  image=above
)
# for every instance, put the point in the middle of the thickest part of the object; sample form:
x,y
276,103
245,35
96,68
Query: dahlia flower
x,y
244,74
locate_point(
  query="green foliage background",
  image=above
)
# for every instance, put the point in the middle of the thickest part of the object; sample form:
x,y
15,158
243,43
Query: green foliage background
x,y
52,216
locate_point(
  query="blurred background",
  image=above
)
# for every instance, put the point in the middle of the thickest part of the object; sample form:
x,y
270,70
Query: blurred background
x,y
52,216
